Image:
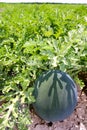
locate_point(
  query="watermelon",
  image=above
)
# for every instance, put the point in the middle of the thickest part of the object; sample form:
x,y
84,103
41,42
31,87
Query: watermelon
x,y
55,95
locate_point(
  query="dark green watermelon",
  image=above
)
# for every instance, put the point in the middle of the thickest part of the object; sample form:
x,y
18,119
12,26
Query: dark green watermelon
x,y
56,95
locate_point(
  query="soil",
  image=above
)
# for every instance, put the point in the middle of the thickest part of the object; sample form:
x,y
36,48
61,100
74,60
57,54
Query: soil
x,y
76,121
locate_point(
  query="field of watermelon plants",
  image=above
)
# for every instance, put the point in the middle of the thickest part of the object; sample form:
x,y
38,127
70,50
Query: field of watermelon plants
x,y
35,38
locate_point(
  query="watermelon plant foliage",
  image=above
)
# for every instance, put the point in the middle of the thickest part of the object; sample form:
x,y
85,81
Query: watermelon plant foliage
x,y
35,38
55,95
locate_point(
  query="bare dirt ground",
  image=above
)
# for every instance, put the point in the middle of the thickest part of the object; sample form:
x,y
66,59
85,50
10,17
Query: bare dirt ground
x,y
76,121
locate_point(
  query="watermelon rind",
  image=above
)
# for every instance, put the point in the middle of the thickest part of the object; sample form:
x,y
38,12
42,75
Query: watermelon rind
x,y
55,95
